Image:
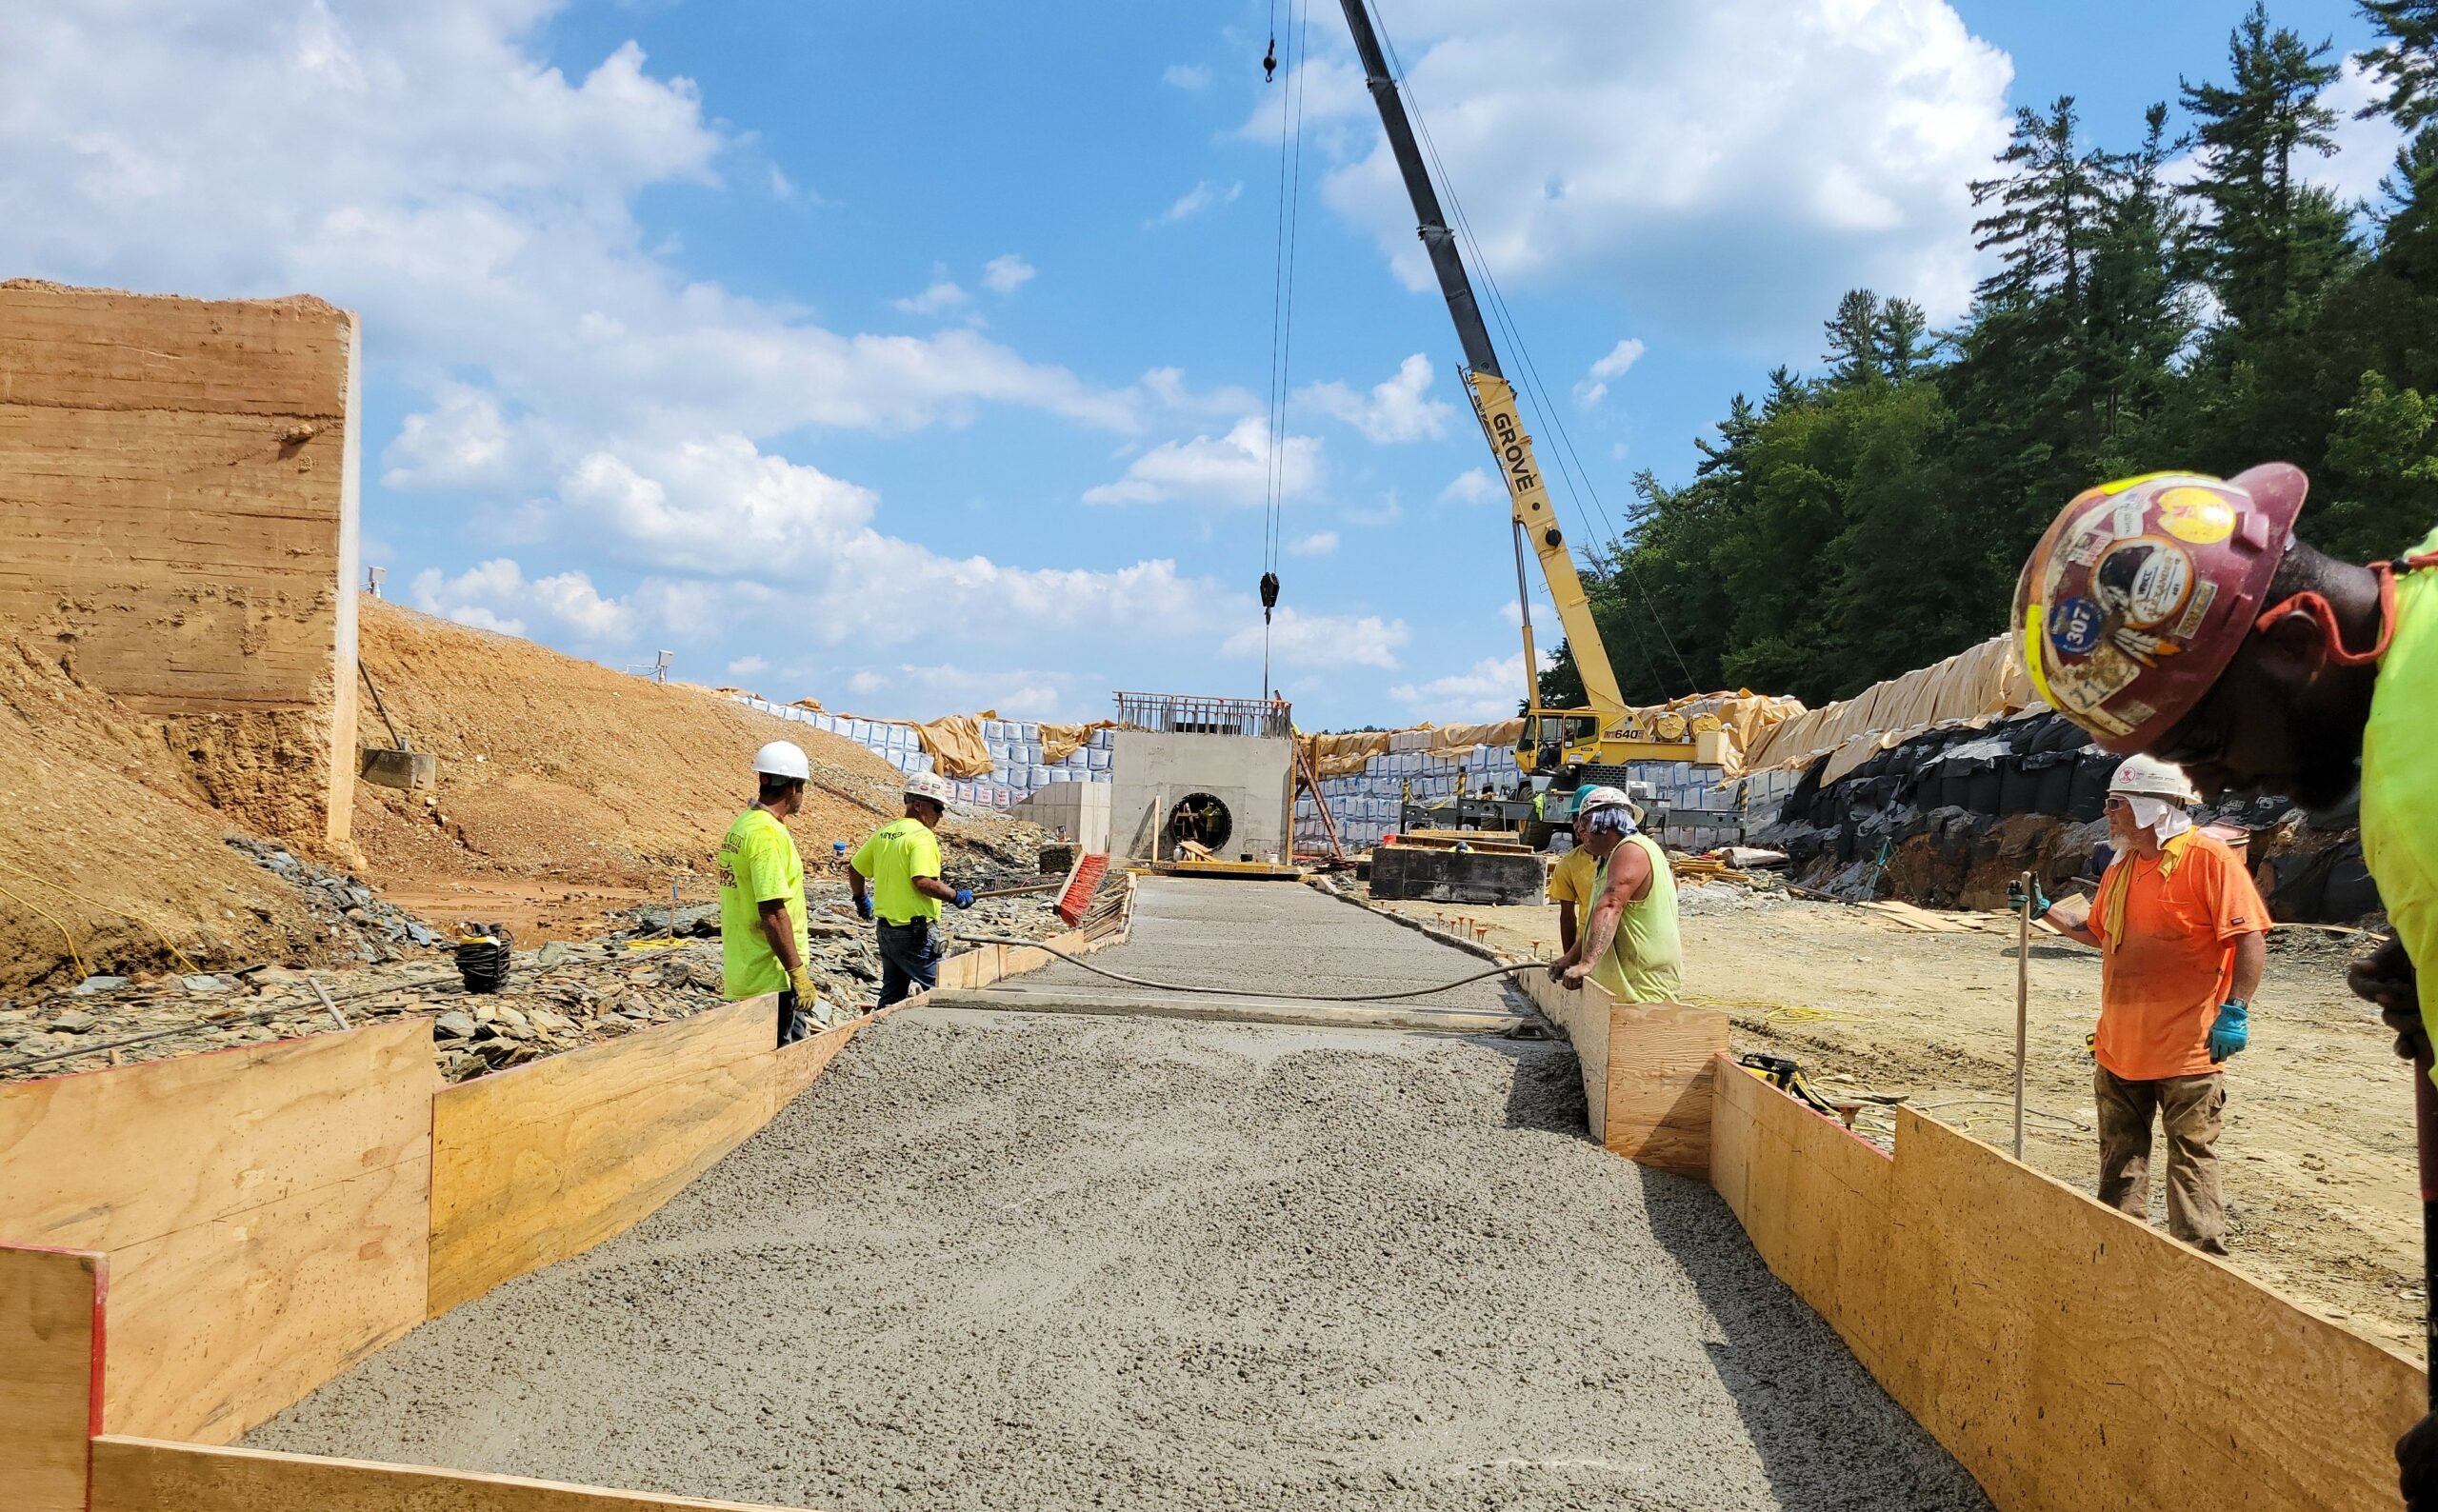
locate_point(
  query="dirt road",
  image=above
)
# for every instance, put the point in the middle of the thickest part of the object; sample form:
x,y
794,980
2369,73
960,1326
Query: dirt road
x,y
2317,1154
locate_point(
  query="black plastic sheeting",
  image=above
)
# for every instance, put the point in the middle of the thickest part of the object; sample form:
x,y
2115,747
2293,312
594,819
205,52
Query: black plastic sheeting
x,y
2040,764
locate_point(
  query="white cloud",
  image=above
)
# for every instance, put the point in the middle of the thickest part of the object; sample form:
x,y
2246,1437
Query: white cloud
x,y
1472,486
1006,274
1594,385
912,692
1395,410
1203,197
496,595
1188,76
747,667
1492,689
1320,543
1769,153
2366,150
1322,640
461,443
715,506
1168,386
939,297
1229,470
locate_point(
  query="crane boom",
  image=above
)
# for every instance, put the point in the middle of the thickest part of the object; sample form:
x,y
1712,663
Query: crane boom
x,y
1493,400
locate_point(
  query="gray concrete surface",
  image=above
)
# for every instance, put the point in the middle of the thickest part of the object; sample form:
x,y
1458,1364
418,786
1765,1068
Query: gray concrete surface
x,y
1276,937
1035,1262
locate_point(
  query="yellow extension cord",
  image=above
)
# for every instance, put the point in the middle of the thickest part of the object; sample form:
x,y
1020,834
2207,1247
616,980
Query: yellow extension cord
x,y
158,932
69,939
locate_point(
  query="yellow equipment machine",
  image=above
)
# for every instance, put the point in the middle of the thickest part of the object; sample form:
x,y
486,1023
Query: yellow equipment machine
x,y
1568,746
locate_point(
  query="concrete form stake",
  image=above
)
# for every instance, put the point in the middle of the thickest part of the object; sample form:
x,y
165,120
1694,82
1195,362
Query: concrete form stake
x,y
2022,1000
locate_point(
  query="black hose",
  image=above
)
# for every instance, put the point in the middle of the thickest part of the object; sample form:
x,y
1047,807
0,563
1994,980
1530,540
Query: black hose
x,y
1242,992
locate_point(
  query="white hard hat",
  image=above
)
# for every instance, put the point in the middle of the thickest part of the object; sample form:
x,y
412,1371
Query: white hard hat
x,y
927,785
2151,778
1592,798
783,758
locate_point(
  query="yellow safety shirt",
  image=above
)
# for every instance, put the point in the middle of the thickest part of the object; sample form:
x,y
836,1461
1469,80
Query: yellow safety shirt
x,y
898,852
2399,779
757,863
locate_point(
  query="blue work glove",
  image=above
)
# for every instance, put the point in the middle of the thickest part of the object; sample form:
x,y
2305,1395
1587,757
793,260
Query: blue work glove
x,y
863,906
2040,904
965,896
2232,1031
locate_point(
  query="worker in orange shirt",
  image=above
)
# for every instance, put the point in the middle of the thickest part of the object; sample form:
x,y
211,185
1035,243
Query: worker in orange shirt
x,y
2182,937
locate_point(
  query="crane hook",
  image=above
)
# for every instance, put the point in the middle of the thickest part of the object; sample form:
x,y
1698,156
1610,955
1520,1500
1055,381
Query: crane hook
x,y
1268,595
1270,62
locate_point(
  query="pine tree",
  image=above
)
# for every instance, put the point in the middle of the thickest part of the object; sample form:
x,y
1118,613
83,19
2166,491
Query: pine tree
x,y
2268,242
2141,313
1902,340
1854,354
2042,230
2406,62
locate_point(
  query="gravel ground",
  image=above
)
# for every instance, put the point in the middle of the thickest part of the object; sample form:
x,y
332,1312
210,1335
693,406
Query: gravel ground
x,y
1024,1262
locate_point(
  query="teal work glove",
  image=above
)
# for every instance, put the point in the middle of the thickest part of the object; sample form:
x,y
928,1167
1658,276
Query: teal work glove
x,y
2040,904
2232,1031
965,896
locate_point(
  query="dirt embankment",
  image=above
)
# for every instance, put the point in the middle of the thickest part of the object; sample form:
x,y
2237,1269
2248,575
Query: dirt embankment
x,y
564,788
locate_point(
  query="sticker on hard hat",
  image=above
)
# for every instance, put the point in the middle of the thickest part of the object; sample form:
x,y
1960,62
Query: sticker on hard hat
x,y
2074,626
2189,624
2145,580
2200,516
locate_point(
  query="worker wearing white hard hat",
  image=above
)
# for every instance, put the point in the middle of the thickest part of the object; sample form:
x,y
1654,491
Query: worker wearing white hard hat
x,y
1575,880
1629,943
2182,935
763,943
895,879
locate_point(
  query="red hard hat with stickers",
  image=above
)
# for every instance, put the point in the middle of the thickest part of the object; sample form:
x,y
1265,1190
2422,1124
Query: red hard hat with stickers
x,y
2139,594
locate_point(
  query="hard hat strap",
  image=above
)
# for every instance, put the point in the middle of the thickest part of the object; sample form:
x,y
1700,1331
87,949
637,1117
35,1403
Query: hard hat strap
x,y
2319,608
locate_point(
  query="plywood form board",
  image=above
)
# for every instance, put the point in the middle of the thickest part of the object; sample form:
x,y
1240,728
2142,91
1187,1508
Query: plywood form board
x,y
537,1163
1813,1199
2031,1328
261,1208
1660,1084
798,1065
50,1367
135,1475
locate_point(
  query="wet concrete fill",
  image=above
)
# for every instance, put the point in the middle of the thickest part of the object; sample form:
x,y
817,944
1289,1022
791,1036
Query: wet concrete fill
x,y
1277,937
1030,1261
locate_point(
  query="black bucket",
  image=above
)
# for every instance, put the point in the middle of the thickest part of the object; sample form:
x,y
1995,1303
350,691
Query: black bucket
x,y
482,956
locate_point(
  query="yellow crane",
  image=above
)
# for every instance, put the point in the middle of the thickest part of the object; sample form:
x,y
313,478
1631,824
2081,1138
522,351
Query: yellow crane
x,y
1566,744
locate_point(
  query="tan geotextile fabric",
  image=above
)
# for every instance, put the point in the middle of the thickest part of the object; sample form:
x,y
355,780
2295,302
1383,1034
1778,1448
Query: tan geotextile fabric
x,y
1973,686
955,744
1058,742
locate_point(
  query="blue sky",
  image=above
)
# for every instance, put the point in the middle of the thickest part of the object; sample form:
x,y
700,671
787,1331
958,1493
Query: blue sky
x,y
914,357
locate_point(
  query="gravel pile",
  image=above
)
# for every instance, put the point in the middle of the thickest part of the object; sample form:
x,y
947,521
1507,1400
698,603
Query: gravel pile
x,y
1027,1261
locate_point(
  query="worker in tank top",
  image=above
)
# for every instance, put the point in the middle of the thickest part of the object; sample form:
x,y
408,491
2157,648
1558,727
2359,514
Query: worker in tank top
x,y
1629,944
1573,883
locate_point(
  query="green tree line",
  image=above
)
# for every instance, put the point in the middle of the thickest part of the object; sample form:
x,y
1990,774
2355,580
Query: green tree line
x,y
1870,518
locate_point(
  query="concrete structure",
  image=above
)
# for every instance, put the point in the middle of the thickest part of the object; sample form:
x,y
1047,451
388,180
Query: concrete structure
x,y
1151,772
1081,809
179,477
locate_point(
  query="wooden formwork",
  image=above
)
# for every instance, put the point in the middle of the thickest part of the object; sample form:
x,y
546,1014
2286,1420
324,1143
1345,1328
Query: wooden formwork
x,y
188,1246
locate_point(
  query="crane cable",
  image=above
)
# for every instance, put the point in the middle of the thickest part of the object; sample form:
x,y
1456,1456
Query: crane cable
x,y
1535,391
1282,302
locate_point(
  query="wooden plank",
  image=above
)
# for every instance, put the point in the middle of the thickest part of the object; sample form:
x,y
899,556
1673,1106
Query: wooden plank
x,y
1814,1198
216,1327
537,1163
137,1475
50,1369
2076,1360
112,1158
1660,1084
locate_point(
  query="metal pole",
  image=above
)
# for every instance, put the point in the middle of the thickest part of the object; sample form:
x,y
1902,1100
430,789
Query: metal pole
x,y
2022,1000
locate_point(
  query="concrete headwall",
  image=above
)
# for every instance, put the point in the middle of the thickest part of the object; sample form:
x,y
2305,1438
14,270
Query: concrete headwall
x,y
179,478
1081,809
1150,772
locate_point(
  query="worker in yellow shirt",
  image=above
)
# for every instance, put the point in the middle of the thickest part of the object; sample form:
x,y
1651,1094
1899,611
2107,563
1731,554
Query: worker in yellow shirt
x,y
2175,614
1575,880
763,945
895,879
1629,943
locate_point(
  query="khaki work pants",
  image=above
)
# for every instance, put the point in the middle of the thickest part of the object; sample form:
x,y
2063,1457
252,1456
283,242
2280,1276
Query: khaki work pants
x,y
2190,1107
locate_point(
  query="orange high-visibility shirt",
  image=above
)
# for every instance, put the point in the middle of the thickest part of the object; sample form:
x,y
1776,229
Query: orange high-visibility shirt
x,y
2161,984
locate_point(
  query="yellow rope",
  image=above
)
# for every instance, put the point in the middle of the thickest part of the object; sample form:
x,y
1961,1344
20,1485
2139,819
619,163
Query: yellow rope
x,y
64,935
158,932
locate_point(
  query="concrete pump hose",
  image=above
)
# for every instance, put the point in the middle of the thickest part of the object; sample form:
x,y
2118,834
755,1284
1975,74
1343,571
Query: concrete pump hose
x,y
1245,992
